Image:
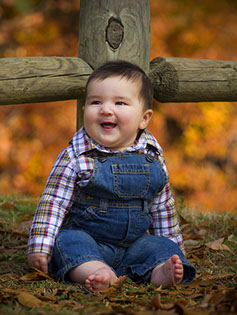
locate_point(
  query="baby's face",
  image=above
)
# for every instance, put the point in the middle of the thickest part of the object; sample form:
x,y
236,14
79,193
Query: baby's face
x,y
113,112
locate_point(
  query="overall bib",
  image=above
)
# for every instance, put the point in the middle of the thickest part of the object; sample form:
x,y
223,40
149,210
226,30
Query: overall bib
x,y
109,219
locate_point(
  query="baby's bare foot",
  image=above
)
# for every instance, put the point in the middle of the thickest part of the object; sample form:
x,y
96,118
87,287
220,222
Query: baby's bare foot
x,y
101,280
169,273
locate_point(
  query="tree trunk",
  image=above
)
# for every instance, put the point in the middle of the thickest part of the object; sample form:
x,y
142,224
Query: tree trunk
x,y
41,79
193,80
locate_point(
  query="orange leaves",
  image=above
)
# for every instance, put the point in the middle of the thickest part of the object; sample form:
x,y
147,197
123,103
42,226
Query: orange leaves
x,y
201,152
206,135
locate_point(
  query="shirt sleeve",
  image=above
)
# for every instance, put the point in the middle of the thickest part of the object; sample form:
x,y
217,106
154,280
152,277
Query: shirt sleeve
x,y
165,221
53,205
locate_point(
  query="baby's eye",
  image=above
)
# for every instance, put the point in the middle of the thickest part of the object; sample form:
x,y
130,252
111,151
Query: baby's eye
x,y
95,102
120,103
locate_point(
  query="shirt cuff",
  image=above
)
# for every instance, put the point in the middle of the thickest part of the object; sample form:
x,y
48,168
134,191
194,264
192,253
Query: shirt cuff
x,y
40,245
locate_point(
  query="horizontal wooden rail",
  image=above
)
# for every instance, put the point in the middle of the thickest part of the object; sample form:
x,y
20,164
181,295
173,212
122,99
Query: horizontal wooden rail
x,y
47,79
193,80
42,79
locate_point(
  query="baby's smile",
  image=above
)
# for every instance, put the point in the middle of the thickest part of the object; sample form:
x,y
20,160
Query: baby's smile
x,y
108,125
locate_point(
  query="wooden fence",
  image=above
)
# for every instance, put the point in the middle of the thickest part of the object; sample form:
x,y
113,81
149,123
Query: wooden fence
x,y
109,30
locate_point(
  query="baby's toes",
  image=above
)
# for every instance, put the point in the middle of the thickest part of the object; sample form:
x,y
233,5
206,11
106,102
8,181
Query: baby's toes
x,y
91,278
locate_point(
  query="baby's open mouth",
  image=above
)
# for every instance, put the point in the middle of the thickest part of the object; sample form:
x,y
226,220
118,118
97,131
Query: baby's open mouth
x,y
108,125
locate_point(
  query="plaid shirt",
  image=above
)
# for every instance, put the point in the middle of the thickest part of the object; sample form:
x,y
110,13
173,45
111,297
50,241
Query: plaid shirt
x,y
73,168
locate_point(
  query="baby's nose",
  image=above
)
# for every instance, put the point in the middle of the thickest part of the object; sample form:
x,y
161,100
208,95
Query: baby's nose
x,y
106,108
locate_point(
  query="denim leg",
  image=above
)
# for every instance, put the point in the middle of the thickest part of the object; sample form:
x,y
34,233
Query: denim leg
x,y
72,248
149,251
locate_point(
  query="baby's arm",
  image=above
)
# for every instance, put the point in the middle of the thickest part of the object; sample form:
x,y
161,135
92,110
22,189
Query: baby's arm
x,y
164,215
39,261
54,203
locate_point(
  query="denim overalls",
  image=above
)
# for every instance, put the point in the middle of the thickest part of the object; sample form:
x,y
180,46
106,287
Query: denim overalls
x,y
109,219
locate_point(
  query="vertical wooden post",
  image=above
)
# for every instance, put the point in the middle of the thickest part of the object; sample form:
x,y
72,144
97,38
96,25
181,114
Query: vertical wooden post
x,y
114,29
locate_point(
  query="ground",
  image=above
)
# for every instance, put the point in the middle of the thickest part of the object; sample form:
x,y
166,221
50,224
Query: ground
x,y
211,244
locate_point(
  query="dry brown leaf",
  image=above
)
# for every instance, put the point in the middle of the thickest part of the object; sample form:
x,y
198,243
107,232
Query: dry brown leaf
x,y
203,283
32,276
20,246
119,283
29,300
217,297
43,274
218,244
180,307
196,258
224,275
115,285
36,275
158,305
12,291
6,275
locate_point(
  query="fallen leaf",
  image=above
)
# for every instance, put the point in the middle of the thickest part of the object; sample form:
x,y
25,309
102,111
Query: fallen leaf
x,y
217,297
6,275
20,246
157,305
36,275
221,276
29,300
196,257
43,274
32,276
120,282
218,245
13,291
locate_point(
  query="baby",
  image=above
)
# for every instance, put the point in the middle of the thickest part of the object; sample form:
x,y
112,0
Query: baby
x,y
107,190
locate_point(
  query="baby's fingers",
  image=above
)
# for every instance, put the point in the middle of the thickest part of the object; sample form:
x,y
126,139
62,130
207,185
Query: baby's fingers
x,y
39,261
44,264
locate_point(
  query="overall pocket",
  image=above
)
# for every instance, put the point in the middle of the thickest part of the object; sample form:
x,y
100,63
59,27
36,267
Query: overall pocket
x,y
131,180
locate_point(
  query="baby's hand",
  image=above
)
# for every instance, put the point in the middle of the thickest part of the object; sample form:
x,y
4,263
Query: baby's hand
x,y
39,261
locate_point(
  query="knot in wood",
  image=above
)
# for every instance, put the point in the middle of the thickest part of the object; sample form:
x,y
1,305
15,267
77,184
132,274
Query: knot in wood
x,y
114,33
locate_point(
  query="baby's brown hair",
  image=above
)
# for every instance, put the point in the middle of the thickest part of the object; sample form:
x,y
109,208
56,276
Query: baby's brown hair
x,y
130,71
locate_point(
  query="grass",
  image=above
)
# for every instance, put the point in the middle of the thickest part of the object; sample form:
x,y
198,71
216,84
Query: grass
x,y
26,291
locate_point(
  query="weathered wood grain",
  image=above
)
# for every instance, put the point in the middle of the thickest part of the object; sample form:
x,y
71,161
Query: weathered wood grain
x,y
41,79
46,79
193,80
112,29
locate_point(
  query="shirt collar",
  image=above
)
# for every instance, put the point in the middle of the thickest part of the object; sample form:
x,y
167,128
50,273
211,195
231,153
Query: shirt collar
x,y
147,138
82,143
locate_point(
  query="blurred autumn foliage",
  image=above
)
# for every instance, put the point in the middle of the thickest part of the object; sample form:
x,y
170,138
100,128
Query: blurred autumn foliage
x,y
199,139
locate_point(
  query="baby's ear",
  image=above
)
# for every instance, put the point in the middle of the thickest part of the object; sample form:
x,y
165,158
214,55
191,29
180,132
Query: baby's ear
x,y
147,115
